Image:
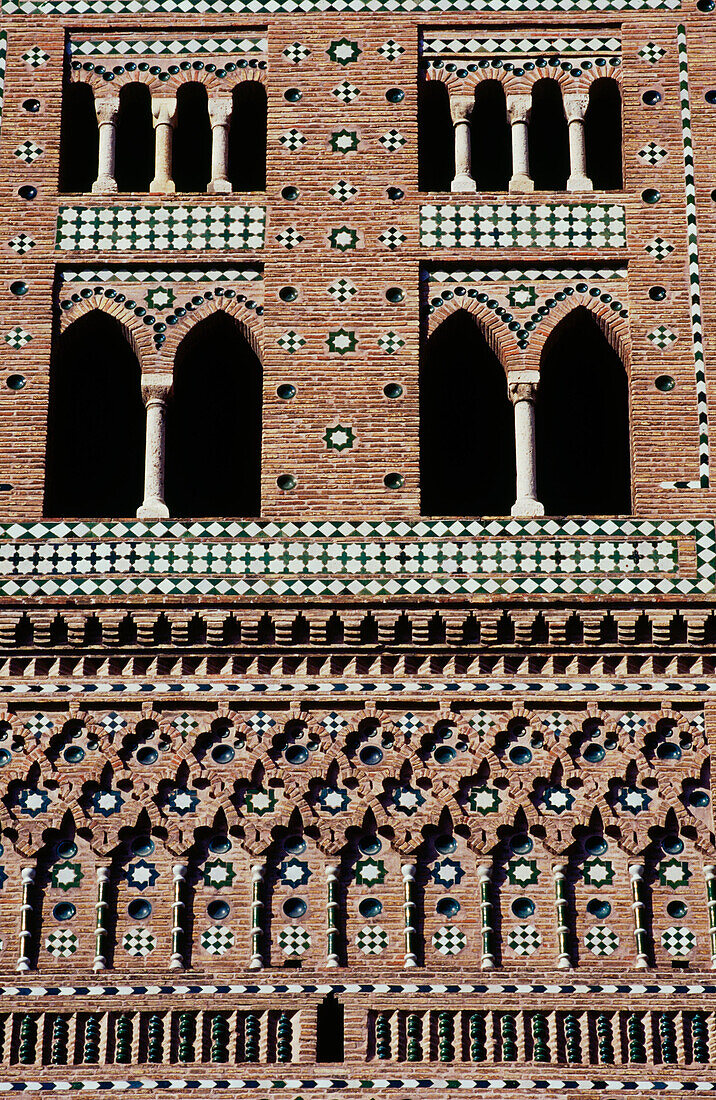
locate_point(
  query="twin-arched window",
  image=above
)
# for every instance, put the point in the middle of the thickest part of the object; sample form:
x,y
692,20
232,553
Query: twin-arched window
x,y
141,143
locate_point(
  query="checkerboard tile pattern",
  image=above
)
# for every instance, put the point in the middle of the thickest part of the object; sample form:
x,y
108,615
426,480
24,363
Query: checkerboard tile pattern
x,y
652,53
652,153
17,337
294,941
372,940
678,941
217,940
375,558
658,248
28,151
138,942
167,47
661,337
62,944
35,57
565,225
21,243
524,939
601,940
449,940
153,228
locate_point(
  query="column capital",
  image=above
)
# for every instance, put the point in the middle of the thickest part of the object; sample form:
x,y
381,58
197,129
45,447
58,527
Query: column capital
x,y
164,110
156,388
220,108
107,109
461,107
575,106
519,107
522,385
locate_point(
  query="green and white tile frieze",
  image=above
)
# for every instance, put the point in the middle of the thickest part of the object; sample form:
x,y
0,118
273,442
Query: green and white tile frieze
x,y
423,558
522,225
159,228
3,62
278,7
173,47
462,44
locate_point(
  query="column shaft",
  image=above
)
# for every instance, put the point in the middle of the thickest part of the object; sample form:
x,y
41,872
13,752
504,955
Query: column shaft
x,y
522,391
518,112
107,111
460,111
220,118
155,391
575,107
165,116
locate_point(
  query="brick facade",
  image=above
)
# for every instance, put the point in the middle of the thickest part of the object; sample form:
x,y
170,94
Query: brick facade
x,y
340,796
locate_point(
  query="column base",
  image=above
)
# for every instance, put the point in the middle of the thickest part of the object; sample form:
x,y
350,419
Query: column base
x,y
152,509
463,183
579,183
219,187
162,187
527,506
520,182
104,185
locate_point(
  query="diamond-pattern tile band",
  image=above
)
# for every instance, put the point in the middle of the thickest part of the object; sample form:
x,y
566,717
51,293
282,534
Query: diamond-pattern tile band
x,y
372,941
167,47
272,7
217,940
449,940
502,225
678,941
294,941
62,943
524,939
138,942
601,940
151,228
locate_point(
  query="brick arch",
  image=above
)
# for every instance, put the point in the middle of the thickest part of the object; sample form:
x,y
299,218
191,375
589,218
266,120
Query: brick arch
x,y
166,89
465,85
516,85
501,341
250,326
138,336
615,328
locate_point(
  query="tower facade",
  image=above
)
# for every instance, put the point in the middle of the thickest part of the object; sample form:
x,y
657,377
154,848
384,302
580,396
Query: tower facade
x,y
357,556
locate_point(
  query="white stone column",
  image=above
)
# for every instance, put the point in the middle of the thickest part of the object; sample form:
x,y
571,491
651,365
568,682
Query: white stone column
x,y
522,388
460,111
220,118
164,114
518,112
575,108
155,392
107,111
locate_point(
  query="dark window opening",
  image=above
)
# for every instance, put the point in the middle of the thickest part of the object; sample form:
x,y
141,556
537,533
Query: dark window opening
x,y
329,1030
491,138
79,139
467,448
134,162
582,422
247,137
213,465
548,138
95,447
603,135
436,143
191,148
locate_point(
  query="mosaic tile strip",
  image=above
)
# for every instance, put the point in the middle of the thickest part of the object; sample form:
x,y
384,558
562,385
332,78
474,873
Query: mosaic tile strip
x,y
152,47
554,1084
442,44
697,336
260,7
502,225
620,557
150,228
161,275
270,689
520,274
3,62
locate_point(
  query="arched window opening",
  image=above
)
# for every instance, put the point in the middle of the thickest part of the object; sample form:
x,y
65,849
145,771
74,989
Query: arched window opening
x,y
329,1030
436,142
135,139
491,138
191,147
247,137
213,465
95,446
548,138
582,422
79,138
467,449
603,135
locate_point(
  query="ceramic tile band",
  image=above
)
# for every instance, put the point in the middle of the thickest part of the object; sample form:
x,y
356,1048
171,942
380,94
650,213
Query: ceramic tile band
x,y
173,47
435,43
161,275
150,228
519,225
521,274
554,1084
3,62
641,989
694,278
274,7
